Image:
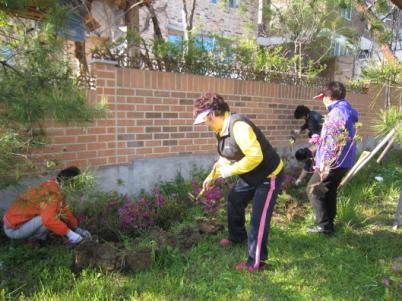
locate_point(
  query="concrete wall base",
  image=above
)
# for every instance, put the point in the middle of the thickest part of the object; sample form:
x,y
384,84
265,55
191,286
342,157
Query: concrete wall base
x,y
145,174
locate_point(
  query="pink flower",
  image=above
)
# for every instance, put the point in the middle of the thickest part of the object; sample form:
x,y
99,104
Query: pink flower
x,y
315,139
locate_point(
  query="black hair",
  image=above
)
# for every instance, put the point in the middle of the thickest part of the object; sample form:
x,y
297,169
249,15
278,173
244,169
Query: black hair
x,y
335,90
68,173
303,154
301,111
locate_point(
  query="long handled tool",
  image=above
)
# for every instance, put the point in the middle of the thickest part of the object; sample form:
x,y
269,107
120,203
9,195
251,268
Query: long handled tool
x,y
203,190
366,156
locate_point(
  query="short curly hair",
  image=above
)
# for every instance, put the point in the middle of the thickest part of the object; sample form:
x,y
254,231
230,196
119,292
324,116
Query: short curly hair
x,y
210,101
336,90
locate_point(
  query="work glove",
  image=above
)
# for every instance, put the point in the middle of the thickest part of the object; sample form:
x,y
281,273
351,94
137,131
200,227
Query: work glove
x,y
73,237
298,182
84,233
226,170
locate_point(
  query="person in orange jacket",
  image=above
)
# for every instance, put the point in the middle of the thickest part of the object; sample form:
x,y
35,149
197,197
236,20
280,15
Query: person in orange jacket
x,y
43,209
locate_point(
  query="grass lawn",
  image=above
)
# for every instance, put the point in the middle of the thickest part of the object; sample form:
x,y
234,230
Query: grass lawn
x,y
351,265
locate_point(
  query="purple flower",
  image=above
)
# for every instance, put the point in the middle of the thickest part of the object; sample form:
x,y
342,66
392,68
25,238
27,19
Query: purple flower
x,y
386,281
396,267
159,200
315,139
400,284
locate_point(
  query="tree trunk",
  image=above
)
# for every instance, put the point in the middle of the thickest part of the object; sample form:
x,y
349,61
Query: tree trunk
x,y
132,21
188,18
81,56
385,48
155,21
264,17
398,3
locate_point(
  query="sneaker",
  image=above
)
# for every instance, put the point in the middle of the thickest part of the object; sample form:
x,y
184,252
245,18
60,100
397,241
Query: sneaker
x,y
224,243
243,266
319,229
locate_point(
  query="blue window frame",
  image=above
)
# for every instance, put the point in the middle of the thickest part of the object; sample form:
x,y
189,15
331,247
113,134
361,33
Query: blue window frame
x,y
232,3
175,39
206,42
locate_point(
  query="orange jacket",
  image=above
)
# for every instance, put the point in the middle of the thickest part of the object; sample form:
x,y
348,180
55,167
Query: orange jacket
x,y
47,201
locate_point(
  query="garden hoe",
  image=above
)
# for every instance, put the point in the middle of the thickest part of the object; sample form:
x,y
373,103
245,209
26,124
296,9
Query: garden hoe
x,y
201,193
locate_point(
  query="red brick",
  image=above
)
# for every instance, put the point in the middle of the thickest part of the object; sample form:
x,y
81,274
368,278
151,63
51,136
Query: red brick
x,y
75,147
68,156
162,122
135,129
144,150
86,138
135,99
96,146
170,101
153,143
158,150
109,91
146,108
127,92
125,107
106,153
144,93
105,74
64,140
135,115
98,161
102,138
153,100
86,155
106,122
74,131
101,130
144,122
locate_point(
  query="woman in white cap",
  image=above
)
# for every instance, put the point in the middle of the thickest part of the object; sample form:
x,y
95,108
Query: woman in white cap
x,y
245,152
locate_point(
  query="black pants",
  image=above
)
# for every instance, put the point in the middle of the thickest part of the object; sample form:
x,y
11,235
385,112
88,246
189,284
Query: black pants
x,y
322,195
264,198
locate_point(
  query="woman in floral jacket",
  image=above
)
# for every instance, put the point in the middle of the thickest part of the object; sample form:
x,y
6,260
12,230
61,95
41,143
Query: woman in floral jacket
x,y
335,155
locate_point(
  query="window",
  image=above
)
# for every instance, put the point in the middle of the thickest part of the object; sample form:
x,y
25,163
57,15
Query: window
x,y
340,49
175,39
206,42
213,1
6,53
347,12
232,3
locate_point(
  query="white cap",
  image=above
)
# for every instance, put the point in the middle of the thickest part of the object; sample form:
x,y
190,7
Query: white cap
x,y
201,116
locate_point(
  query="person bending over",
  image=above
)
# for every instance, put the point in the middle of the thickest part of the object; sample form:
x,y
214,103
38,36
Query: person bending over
x,y
42,210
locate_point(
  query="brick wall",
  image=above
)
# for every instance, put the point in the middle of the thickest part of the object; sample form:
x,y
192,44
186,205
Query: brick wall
x,y
150,115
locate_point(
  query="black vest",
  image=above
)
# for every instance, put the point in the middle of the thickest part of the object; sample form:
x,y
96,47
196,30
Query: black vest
x,y
228,148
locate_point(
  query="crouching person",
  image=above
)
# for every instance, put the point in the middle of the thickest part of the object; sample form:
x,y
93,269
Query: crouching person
x,y
43,209
305,155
